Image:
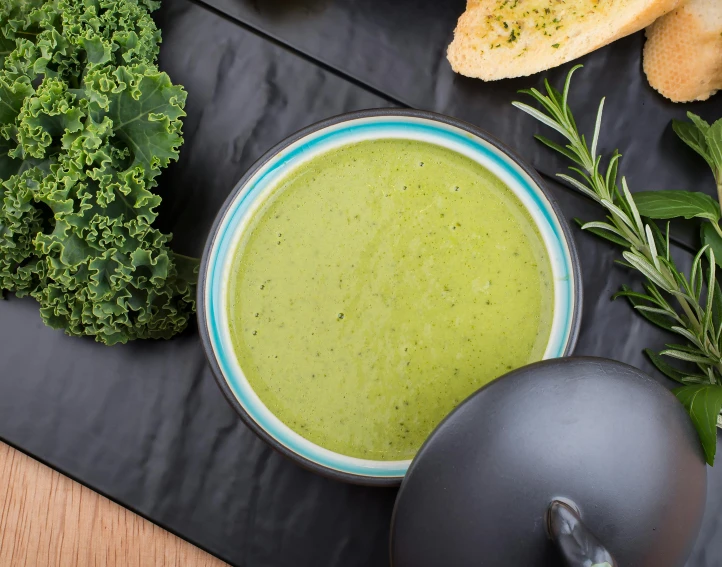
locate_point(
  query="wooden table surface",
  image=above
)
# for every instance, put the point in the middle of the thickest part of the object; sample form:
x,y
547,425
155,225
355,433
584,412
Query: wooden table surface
x,y
48,520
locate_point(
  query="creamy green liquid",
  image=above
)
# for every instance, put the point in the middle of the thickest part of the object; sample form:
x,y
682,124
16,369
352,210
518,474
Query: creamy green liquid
x,y
378,286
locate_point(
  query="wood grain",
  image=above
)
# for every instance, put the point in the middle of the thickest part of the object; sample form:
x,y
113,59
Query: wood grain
x,y
48,520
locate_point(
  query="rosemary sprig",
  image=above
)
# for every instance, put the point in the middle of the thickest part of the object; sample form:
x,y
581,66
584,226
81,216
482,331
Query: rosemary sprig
x,y
690,306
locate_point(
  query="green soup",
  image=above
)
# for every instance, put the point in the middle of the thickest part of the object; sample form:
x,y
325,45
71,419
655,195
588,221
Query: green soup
x,y
378,286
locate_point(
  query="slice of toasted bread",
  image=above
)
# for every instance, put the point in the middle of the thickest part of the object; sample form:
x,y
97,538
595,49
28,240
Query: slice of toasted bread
x,y
683,53
496,39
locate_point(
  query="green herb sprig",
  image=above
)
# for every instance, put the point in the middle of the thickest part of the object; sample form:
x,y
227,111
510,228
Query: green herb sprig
x,y
689,305
706,140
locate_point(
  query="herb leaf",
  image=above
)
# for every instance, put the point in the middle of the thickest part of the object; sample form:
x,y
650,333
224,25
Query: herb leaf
x,y
670,371
714,143
672,204
637,300
704,139
694,134
717,305
710,237
601,232
703,402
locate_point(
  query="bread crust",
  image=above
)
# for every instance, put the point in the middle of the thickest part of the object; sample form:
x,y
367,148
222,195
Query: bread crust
x,y
497,39
683,56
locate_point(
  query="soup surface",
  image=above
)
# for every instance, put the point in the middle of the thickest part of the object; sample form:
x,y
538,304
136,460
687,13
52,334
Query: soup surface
x,y
378,286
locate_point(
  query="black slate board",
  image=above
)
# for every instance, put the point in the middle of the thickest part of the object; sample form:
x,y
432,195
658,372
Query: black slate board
x,y
144,423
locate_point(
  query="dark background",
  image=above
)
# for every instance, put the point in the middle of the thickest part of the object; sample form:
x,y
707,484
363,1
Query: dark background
x,y
145,423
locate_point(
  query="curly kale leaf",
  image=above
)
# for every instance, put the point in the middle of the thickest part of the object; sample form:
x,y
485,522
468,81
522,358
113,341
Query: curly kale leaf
x,y
87,122
126,288
144,108
20,222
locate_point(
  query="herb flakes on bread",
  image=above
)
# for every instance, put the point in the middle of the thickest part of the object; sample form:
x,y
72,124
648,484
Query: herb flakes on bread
x,y
683,53
498,39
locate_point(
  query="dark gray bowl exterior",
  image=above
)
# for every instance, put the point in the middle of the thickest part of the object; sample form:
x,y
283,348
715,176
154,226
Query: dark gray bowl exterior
x,y
597,432
202,323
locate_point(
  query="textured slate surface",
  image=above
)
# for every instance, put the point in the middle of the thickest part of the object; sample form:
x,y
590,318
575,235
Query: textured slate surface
x,y
399,48
145,423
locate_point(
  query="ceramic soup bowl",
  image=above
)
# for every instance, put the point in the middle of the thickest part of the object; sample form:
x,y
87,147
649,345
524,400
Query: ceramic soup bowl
x,y
317,139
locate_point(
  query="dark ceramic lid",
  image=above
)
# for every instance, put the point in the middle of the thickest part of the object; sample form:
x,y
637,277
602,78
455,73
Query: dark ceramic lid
x,y
612,447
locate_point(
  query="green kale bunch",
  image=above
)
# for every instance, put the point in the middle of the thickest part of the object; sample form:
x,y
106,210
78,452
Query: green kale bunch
x,y
87,122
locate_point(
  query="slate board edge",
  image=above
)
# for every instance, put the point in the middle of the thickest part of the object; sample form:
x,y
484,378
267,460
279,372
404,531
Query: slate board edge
x,y
277,41
61,470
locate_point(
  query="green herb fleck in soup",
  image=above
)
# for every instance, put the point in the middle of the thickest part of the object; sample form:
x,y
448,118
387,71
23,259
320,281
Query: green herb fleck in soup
x,y
378,286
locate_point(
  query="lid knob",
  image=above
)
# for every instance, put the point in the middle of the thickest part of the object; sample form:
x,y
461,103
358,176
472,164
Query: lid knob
x,y
579,546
